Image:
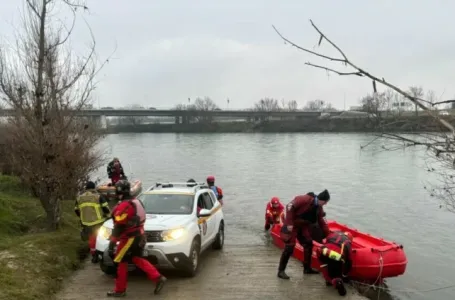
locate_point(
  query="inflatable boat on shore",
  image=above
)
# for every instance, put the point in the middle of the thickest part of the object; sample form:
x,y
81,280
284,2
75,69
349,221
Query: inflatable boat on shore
x,y
373,258
109,190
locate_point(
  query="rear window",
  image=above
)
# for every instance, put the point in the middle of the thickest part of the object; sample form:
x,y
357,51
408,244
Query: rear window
x,y
168,204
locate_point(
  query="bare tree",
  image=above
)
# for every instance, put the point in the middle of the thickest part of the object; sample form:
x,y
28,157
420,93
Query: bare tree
x,y
46,85
267,105
416,92
318,105
205,104
440,144
291,105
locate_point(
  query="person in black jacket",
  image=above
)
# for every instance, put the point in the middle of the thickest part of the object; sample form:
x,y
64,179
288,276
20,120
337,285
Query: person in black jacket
x,y
115,171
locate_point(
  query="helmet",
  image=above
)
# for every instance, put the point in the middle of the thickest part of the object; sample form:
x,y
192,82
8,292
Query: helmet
x,y
275,201
210,178
90,185
115,159
349,236
122,187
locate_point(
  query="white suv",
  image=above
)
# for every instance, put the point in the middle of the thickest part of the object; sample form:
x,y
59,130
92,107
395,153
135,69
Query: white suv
x,y
176,232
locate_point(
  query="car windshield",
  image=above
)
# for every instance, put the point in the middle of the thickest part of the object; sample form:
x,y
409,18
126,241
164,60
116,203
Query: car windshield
x,y
167,204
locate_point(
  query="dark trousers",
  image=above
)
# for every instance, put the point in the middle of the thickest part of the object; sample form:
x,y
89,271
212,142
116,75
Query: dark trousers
x,y
303,236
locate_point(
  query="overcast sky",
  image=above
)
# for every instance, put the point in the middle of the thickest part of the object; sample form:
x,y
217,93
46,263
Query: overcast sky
x,y
169,51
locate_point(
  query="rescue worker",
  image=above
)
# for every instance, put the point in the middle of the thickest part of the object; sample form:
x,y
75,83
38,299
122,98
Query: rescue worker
x,y
335,258
274,213
129,218
218,191
115,171
301,212
92,209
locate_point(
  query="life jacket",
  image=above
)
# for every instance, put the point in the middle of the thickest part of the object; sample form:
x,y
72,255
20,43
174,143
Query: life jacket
x,y
339,240
312,214
215,190
90,209
139,214
276,213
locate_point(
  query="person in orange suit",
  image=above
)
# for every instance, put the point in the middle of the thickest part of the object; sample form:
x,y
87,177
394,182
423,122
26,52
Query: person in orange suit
x,y
335,258
274,213
128,235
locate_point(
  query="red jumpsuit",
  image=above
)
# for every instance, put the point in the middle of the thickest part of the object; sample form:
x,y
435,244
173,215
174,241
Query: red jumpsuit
x,y
301,213
333,269
273,215
129,218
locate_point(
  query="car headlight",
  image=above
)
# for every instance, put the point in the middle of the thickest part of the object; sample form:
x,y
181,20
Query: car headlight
x,y
104,232
173,234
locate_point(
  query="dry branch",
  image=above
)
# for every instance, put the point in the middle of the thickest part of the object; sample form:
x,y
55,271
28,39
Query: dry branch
x,y
441,143
359,72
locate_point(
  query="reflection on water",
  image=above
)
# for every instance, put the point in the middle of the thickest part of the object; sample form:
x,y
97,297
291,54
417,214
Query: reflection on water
x,y
372,190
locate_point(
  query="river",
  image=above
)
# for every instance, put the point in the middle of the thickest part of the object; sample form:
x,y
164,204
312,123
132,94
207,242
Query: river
x,y
375,191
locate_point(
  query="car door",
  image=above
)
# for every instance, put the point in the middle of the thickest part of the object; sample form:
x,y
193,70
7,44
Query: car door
x,y
202,221
210,221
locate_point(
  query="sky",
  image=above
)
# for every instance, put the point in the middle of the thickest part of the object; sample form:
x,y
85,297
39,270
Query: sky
x,y
169,51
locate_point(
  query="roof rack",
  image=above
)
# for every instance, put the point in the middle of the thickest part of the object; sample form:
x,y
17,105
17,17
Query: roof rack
x,y
195,185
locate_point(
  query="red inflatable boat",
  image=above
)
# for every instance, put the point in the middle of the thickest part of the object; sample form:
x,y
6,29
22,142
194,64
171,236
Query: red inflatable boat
x,y
373,258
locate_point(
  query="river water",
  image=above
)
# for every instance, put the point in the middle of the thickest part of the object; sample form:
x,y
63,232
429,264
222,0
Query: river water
x,y
375,191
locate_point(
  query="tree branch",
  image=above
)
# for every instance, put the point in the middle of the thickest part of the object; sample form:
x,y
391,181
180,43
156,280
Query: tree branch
x,y
361,73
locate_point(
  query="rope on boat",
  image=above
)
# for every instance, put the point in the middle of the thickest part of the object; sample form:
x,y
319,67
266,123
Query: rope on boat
x,y
405,290
381,288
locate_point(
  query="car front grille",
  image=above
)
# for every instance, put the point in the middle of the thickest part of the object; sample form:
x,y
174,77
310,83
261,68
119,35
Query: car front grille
x,y
154,236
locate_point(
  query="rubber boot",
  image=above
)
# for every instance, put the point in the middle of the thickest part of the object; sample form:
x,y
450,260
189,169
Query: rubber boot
x,y
308,270
95,259
283,275
160,284
338,284
284,259
307,251
267,227
115,294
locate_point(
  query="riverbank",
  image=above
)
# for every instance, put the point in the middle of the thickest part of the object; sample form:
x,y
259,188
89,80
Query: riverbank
x,y
245,269
34,262
308,125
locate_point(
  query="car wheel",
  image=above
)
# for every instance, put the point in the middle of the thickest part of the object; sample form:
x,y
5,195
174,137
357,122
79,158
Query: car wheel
x,y
108,270
193,265
219,240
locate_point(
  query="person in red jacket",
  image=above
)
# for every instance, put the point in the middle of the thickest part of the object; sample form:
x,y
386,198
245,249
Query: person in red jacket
x,y
335,258
301,212
217,190
129,218
273,212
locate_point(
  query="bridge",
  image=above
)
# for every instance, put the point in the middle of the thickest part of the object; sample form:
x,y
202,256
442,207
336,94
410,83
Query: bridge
x,y
187,113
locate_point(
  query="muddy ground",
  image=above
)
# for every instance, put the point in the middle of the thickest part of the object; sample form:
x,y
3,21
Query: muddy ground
x,y
244,269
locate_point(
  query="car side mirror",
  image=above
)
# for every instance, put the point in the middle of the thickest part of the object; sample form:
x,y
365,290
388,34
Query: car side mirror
x,y
204,213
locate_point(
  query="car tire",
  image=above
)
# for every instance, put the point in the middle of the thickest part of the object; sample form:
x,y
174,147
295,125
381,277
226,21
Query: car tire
x,y
219,240
195,255
108,270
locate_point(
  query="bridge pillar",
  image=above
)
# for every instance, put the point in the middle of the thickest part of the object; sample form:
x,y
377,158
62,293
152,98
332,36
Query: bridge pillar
x,y
103,122
177,120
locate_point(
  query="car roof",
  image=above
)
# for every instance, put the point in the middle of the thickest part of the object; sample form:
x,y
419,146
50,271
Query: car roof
x,y
182,188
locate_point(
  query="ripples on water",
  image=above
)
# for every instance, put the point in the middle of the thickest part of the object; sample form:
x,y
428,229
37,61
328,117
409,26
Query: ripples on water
x,y
375,191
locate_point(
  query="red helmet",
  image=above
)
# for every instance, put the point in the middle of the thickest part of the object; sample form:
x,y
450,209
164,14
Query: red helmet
x,y
349,236
275,201
210,178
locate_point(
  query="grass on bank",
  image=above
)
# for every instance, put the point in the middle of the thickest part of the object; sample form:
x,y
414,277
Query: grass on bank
x,y
34,263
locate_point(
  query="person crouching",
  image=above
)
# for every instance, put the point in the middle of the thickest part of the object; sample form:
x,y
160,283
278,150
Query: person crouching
x,y
335,258
274,213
